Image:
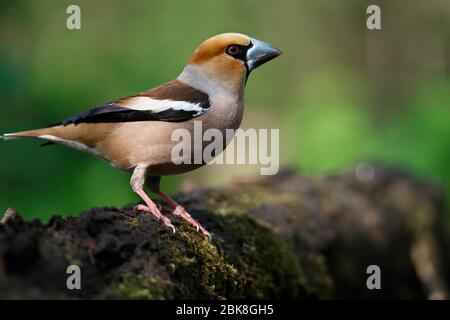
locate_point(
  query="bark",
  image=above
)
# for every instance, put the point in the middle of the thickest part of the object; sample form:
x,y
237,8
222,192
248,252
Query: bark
x,y
282,237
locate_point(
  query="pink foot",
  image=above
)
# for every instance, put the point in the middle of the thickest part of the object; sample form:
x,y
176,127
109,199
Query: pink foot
x,y
154,211
164,208
182,213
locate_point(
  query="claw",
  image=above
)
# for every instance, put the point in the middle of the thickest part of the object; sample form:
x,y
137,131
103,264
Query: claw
x,y
182,213
154,211
206,233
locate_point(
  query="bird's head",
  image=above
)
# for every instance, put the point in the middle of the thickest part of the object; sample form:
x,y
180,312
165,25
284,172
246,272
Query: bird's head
x,y
228,58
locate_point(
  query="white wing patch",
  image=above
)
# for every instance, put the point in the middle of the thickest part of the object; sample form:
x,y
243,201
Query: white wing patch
x,y
156,106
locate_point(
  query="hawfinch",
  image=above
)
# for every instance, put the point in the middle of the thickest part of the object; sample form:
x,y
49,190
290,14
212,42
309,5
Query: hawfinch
x,y
134,133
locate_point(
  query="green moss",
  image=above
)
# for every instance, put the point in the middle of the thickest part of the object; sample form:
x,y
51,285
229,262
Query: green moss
x,y
132,222
253,262
201,269
266,265
139,286
224,204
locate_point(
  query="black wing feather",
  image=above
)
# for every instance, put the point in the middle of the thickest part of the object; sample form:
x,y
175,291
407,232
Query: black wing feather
x,y
173,91
112,114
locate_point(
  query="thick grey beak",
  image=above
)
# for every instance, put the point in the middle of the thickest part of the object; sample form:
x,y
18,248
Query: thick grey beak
x,y
260,53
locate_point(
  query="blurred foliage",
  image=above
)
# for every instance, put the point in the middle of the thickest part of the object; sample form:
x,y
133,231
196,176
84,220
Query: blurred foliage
x,y
340,94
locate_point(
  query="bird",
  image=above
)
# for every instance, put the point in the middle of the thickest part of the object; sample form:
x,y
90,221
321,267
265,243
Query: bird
x,y
134,133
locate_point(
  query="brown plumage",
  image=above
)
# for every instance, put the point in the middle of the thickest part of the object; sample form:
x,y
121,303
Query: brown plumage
x,y
176,90
134,133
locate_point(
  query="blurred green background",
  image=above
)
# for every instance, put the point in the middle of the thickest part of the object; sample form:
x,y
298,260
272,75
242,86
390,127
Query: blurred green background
x,y
341,94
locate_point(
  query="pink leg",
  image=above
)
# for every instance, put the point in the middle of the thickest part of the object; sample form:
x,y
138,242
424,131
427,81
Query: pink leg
x,y
179,211
152,208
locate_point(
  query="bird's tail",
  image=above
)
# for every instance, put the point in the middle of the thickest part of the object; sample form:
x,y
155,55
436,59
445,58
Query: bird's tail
x,y
38,133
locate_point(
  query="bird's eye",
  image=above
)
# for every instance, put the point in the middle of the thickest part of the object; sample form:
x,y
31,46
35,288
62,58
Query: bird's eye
x,y
233,50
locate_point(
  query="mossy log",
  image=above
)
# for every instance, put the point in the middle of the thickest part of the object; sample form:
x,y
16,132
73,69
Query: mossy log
x,y
282,237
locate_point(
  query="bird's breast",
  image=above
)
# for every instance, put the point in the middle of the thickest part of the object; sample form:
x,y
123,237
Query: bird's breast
x,y
225,113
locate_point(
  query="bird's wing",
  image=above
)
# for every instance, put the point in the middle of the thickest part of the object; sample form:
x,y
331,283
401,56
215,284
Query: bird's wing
x,y
172,102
